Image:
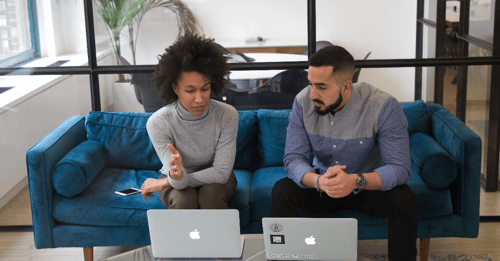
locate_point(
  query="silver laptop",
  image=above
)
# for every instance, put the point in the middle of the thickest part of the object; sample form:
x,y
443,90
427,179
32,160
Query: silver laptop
x,y
195,233
311,238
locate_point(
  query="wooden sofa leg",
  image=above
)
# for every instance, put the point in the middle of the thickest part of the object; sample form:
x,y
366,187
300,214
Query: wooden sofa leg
x,y
88,253
425,244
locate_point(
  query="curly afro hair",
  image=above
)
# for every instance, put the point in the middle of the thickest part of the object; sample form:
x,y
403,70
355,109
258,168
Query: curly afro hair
x,y
191,53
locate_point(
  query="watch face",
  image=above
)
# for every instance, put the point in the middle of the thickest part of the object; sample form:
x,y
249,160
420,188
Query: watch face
x,y
361,183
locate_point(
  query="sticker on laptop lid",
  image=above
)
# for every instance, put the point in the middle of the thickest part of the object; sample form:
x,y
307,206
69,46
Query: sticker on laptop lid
x,y
278,239
276,227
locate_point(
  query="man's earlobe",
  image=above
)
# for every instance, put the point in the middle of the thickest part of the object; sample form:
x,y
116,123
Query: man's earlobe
x,y
348,85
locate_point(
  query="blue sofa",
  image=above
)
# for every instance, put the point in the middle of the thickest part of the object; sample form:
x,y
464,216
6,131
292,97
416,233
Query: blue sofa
x,y
74,171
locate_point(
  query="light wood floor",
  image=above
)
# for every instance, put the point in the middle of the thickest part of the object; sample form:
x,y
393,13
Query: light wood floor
x,y
20,245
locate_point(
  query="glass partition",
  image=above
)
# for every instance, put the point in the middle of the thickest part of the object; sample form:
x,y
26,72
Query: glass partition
x,y
118,96
481,19
386,29
238,26
430,10
477,106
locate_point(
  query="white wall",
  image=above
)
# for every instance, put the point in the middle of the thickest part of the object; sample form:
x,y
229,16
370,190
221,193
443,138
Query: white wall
x,y
71,18
23,125
62,27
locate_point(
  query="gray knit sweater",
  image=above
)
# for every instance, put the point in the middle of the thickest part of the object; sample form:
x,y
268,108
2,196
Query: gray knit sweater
x,y
207,143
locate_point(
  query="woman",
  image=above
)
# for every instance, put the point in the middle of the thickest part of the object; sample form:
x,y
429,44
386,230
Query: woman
x,y
194,136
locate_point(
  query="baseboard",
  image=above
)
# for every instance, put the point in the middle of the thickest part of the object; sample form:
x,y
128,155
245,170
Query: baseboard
x,y
486,219
13,192
16,228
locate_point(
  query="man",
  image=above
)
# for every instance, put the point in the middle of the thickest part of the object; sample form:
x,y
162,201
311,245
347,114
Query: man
x,y
362,159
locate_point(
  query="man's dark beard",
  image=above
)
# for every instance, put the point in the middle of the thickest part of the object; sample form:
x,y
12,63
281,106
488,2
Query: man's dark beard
x,y
330,108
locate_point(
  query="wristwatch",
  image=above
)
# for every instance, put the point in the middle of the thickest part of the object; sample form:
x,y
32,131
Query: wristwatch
x,y
360,182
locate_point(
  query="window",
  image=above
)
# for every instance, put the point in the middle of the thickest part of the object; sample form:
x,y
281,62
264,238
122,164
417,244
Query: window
x,y
19,41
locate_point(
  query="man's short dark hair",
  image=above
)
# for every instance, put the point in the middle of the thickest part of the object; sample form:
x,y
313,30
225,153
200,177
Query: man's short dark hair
x,y
191,53
337,57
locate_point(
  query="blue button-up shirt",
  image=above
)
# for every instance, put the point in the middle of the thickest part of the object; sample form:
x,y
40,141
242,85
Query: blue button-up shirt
x,y
368,134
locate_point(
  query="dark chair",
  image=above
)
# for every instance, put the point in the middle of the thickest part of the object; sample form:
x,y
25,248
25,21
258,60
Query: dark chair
x,y
222,49
276,93
358,71
319,45
234,57
145,90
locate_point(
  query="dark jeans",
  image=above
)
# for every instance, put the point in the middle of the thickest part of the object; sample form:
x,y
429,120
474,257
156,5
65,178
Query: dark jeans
x,y
399,205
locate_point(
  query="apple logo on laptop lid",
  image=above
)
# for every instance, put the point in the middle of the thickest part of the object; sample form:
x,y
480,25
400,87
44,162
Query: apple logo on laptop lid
x,y
194,234
310,240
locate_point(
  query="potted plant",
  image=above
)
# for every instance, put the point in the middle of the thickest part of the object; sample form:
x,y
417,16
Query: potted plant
x,y
118,14
187,22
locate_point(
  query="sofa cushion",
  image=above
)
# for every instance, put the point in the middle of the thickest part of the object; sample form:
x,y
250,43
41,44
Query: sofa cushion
x,y
241,200
272,136
417,116
75,171
260,193
433,202
246,141
125,137
434,165
98,205
437,202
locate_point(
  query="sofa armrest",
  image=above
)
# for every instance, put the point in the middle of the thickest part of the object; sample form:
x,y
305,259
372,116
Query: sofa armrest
x,y
465,147
40,161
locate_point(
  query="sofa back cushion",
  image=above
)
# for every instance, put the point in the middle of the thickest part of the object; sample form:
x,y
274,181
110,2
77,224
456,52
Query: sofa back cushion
x,y
272,136
75,171
246,141
125,137
417,116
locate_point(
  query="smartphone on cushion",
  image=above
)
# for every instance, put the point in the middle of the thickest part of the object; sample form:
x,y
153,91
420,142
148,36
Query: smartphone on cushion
x,y
128,192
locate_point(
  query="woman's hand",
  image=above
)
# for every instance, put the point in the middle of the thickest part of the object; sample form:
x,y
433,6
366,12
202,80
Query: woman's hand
x,y
175,163
153,185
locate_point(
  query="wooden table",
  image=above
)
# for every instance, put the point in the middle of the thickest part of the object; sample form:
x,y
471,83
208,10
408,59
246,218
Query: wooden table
x,y
270,45
266,57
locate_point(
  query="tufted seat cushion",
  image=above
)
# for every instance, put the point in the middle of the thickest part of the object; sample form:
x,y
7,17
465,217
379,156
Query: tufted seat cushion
x,y
437,202
98,205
